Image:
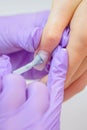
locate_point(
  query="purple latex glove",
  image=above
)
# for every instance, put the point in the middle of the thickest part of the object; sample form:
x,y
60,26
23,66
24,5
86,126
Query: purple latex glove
x,y
20,36
21,31
37,107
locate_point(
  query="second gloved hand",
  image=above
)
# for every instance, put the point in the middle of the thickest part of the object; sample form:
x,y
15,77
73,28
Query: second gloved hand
x,y
36,106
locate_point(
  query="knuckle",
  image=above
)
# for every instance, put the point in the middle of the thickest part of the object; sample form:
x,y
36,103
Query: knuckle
x,y
53,37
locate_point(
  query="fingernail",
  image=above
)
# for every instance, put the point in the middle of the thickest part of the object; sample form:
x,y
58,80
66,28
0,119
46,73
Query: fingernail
x,y
44,56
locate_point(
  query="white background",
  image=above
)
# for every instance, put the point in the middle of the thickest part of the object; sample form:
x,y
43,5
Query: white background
x,y
74,112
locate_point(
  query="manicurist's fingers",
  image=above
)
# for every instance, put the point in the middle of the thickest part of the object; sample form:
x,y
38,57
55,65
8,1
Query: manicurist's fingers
x,y
13,93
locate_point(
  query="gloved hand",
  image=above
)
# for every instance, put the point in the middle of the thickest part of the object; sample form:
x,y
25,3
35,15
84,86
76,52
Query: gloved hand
x,y
38,106
21,31
20,36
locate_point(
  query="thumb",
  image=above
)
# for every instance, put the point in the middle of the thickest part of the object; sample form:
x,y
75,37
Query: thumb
x,y
57,74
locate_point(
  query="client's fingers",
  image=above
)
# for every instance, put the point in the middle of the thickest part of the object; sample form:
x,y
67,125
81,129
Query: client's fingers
x,y
13,93
76,58
77,46
76,87
82,68
44,79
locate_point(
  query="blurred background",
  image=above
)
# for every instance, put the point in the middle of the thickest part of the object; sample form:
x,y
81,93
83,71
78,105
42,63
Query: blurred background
x,y
22,6
74,111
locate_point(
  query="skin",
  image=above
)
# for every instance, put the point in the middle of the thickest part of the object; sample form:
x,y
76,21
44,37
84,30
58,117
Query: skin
x,y
77,46
60,16
76,87
77,49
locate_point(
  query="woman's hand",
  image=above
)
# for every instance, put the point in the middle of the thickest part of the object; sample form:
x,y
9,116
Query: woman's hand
x,y
77,50
60,16
77,45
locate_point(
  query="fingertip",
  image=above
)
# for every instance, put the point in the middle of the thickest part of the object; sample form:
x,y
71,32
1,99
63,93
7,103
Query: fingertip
x,y
38,93
13,79
44,56
13,94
